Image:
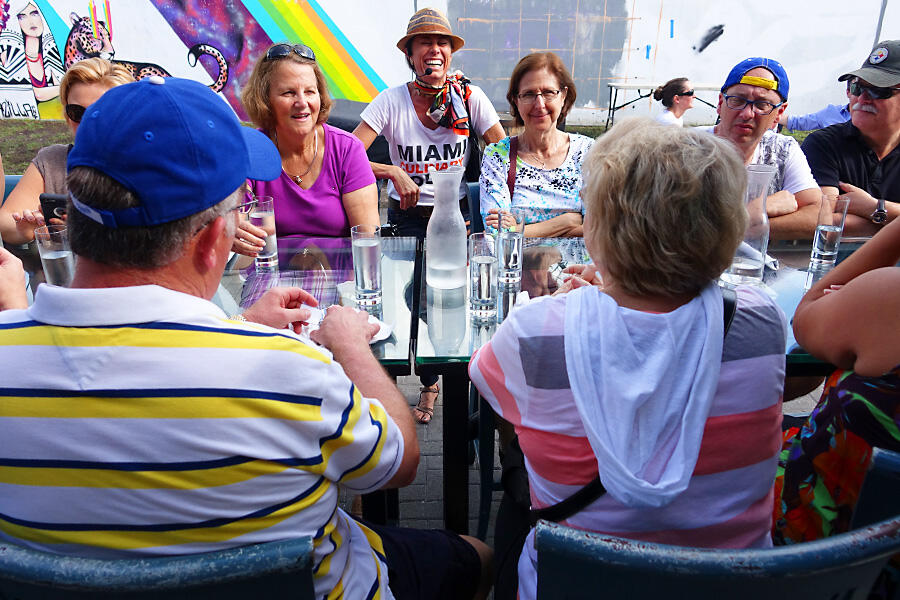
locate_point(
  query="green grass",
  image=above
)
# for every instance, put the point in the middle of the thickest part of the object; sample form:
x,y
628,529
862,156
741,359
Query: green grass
x,y
20,139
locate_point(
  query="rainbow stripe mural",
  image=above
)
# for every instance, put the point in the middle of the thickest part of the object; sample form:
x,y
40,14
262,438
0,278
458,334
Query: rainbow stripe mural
x,y
349,75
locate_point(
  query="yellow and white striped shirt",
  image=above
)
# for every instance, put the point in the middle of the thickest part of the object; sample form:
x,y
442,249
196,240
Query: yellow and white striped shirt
x,y
140,421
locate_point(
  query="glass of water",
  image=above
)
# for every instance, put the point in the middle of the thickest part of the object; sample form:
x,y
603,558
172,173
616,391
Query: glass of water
x,y
366,246
262,215
509,247
827,240
483,266
56,254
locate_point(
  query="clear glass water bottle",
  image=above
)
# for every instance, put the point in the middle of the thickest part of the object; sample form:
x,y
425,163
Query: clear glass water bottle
x,y
445,237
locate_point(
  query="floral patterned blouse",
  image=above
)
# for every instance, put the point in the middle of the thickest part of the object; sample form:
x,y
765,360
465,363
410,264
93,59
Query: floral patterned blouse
x,y
543,193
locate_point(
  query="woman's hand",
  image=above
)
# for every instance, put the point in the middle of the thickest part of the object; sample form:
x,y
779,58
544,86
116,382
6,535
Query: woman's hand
x,y
249,239
499,220
12,282
406,188
581,275
27,221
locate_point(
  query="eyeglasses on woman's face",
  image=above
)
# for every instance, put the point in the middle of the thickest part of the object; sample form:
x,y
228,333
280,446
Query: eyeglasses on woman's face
x,y
281,50
687,93
760,107
547,95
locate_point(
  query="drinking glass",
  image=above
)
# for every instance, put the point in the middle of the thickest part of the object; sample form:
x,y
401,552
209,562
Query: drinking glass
x,y
482,276
56,254
366,246
749,260
263,216
509,248
829,227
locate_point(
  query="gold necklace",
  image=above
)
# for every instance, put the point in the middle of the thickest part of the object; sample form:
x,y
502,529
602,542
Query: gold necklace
x,y
298,179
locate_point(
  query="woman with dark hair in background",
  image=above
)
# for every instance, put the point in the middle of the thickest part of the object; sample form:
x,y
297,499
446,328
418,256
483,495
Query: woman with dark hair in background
x,y
677,96
547,168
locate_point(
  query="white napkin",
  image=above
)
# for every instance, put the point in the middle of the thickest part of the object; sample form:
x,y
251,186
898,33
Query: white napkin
x,y
316,315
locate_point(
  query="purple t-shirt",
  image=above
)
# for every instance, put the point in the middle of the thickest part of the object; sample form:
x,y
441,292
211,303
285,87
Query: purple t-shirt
x,y
319,210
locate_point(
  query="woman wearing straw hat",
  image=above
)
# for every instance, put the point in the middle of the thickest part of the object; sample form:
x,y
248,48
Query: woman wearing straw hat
x,y
426,123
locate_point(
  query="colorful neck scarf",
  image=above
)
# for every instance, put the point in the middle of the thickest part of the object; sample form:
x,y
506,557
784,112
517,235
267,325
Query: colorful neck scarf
x,y
449,106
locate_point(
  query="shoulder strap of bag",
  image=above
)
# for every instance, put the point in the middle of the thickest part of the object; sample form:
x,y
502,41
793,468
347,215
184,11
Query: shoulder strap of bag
x,y
594,489
511,174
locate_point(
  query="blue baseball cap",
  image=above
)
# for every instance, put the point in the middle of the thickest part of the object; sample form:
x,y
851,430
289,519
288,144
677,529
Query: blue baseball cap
x,y
173,143
780,84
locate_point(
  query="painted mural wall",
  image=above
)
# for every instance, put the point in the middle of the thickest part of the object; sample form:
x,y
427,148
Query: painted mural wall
x,y
602,41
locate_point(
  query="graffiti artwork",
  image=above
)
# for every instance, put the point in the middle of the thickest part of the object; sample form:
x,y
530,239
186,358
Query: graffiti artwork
x,y
30,65
82,44
214,42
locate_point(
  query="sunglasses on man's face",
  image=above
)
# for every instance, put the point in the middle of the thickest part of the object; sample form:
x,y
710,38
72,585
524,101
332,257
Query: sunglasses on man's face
x,y
75,112
281,50
876,93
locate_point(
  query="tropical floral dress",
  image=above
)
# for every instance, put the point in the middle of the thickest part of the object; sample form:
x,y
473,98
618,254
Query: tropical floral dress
x,y
823,463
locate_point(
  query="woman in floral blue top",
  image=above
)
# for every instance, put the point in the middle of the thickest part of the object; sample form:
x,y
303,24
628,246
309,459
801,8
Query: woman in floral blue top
x,y
548,163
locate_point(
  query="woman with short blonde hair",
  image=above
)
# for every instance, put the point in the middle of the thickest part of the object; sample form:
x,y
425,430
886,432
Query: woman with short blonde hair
x,y
635,380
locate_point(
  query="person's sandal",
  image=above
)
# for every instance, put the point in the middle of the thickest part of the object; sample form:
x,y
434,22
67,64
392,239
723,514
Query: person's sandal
x,y
422,404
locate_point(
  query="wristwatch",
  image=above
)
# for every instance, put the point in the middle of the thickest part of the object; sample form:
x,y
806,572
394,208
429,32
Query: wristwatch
x,y
879,217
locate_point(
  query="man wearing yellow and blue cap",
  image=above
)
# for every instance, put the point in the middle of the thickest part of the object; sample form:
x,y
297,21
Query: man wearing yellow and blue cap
x,y
862,157
751,100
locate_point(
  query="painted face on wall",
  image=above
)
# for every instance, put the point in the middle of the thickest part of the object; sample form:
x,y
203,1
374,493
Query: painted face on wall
x,y
30,21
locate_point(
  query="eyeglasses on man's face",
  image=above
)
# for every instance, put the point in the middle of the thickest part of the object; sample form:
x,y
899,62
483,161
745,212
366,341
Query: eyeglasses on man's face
x,y
547,95
281,50
876,93
760,107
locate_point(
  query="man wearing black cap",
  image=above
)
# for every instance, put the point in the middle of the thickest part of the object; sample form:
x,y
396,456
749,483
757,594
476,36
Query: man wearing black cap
x,y
862,157
137,419
751,100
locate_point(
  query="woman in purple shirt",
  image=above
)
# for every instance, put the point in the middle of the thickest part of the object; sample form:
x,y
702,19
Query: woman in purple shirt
x,y
326,185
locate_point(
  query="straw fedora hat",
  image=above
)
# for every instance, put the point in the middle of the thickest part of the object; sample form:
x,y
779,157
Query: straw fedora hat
x,y
430,21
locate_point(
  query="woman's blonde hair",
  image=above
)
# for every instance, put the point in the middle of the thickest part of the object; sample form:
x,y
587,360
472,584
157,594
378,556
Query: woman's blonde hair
x,y
255,95
666,206
93,70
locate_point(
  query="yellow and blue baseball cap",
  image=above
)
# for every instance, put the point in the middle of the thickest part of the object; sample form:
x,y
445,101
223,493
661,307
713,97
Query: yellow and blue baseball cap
x,y
739,75
172,142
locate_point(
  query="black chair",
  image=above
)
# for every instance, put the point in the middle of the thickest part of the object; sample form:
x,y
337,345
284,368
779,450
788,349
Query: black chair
x,y
575,564
474,193
879,497
270,570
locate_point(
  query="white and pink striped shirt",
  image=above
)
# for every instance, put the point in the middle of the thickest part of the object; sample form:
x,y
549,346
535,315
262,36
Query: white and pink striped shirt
x,y
728,503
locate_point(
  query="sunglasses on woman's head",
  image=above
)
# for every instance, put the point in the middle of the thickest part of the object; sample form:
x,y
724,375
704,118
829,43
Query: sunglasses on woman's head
x,y
281,50
75,112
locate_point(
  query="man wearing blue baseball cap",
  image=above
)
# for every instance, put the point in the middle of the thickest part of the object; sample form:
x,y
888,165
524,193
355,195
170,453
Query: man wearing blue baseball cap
x,y
862,157
140,420
751,100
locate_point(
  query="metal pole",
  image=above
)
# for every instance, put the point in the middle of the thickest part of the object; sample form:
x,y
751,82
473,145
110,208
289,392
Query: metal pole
x,y
880,22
